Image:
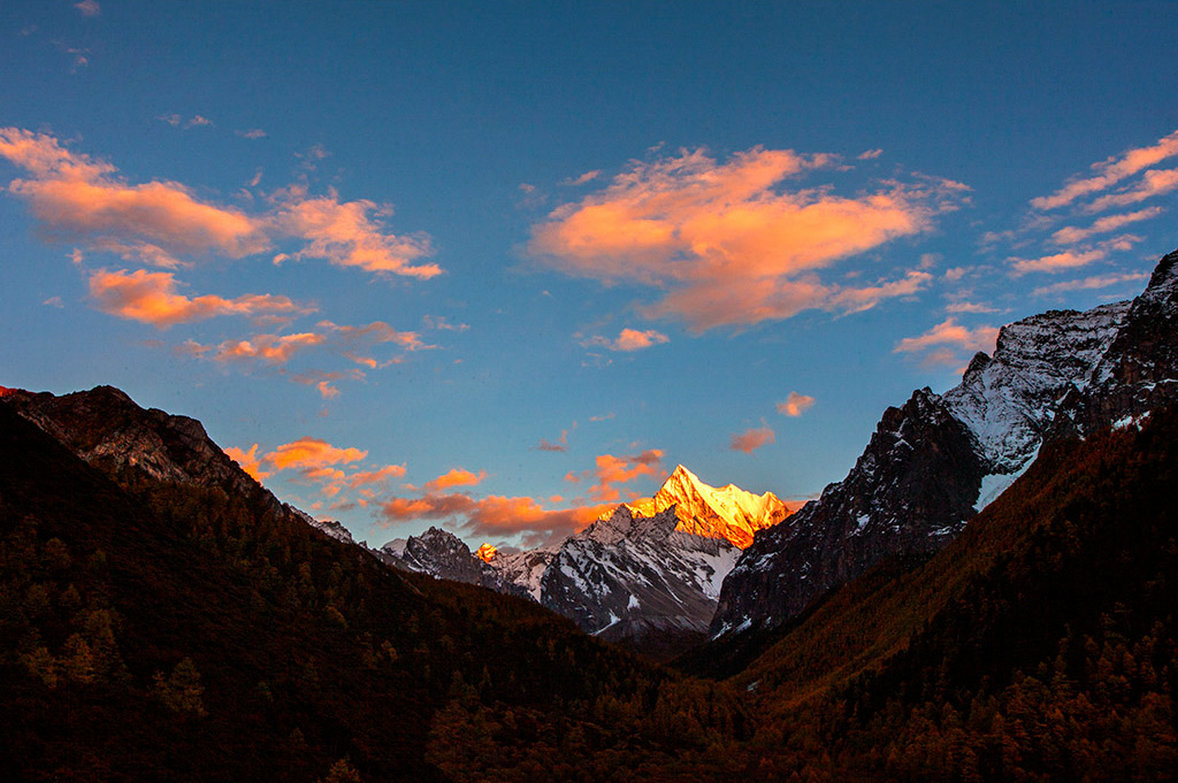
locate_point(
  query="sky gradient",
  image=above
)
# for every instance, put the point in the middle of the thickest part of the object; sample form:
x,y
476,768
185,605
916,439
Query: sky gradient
x,y
499,266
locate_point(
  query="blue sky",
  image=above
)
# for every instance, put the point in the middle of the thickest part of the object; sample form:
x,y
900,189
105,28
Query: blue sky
x,y
495,266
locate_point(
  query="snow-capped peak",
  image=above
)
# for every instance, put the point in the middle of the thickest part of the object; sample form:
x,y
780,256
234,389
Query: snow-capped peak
x,y
486,553
714,512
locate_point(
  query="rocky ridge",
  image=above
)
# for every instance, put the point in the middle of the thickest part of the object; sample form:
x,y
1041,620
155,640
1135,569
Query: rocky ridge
x,y
933,462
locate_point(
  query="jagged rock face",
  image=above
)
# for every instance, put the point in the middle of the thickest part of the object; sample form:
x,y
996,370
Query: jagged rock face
x,y
443,555
1009,401
911,490
1062,372
1139,372
107,429
524,569
726,512
632,577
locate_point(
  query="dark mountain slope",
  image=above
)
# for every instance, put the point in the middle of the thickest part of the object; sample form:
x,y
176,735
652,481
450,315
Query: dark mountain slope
x,y
156,630
1040,644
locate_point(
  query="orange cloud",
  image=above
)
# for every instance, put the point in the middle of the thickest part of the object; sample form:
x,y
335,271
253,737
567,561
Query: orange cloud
x,y
249,461
629,340
80,198
1058,262
752,439
495,515
795,405
374,333
76,197
308,454
1090,283
455,478
1154,182
1110,172
1071,235
946,336
372,477
151,297
723,236
323,381
350,233
265,348
611,470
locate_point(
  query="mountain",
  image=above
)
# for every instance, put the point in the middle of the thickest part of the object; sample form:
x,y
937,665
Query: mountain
x,y
938,458
639,580
647,574
1040,644
443,555
157,624
727,512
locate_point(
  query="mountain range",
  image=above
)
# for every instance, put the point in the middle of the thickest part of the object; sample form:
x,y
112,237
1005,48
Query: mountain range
x,y
987,595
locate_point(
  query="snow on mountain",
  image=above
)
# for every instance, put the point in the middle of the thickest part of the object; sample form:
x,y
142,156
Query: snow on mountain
x,y
639,579
933,462
727,512
443,555
524,569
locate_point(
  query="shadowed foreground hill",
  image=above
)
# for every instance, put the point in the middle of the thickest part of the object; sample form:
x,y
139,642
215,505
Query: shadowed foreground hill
x,y
155,629
1040,645
164,631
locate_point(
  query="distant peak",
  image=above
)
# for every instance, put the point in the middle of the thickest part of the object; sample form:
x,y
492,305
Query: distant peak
x,y
486,552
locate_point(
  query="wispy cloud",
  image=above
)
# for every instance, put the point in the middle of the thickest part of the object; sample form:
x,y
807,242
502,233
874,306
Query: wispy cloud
x,y
88,8
456,477
941,343
1154,182
610,471
152,297
796,404
752,439
629,340
1109,172
82,199
350,233
1070,235
78,198
1070,259
560,445
495,515
727,244
1095,282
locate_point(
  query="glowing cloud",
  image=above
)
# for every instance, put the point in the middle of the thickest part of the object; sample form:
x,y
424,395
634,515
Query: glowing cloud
x,y
269,349
307,454
752,439
82,199
350,233
1154,182
795,405
1110,172
1090,283
1069,259
1071,235
78,198
495,515
949,335
249,461
728,247
629,340
151,297
456,477
611,470
376,477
